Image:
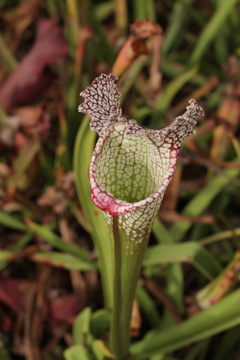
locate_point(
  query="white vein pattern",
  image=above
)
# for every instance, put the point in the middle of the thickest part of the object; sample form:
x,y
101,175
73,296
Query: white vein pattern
x,y
131,166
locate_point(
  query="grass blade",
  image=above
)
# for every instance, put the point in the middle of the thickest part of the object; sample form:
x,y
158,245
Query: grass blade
x,y
165,98
190,252
211,29
62,260
11,222
148,307
217,318
58,242
201,201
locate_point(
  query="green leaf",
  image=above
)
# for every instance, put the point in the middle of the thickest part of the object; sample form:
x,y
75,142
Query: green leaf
x,y
5,257
201,201
190,252
228,341
144,9
173,69
148,307
167,95
220,317
220,236
177,22
65,261
58,242
198,351
100,350
100,322
79,216
104,9
129,78
174,278
4,354
174,289
22,242
211,29
161,233
81,327
10,221
82,155
102,47
77,352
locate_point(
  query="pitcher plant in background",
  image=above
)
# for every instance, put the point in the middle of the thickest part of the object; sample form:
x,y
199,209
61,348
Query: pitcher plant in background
x,y
130,170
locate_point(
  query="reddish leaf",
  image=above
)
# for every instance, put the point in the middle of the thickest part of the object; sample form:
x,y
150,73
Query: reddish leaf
x,y
32,76
65,308
12,293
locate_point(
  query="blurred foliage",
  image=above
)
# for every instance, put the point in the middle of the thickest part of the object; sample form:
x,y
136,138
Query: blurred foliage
x,y
54,245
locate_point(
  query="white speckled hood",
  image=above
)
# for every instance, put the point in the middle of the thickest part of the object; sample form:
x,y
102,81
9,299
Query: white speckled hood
x,y
131,166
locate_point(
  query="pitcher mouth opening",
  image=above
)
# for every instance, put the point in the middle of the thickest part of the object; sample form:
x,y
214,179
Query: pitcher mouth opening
x,y
130,169
128,172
